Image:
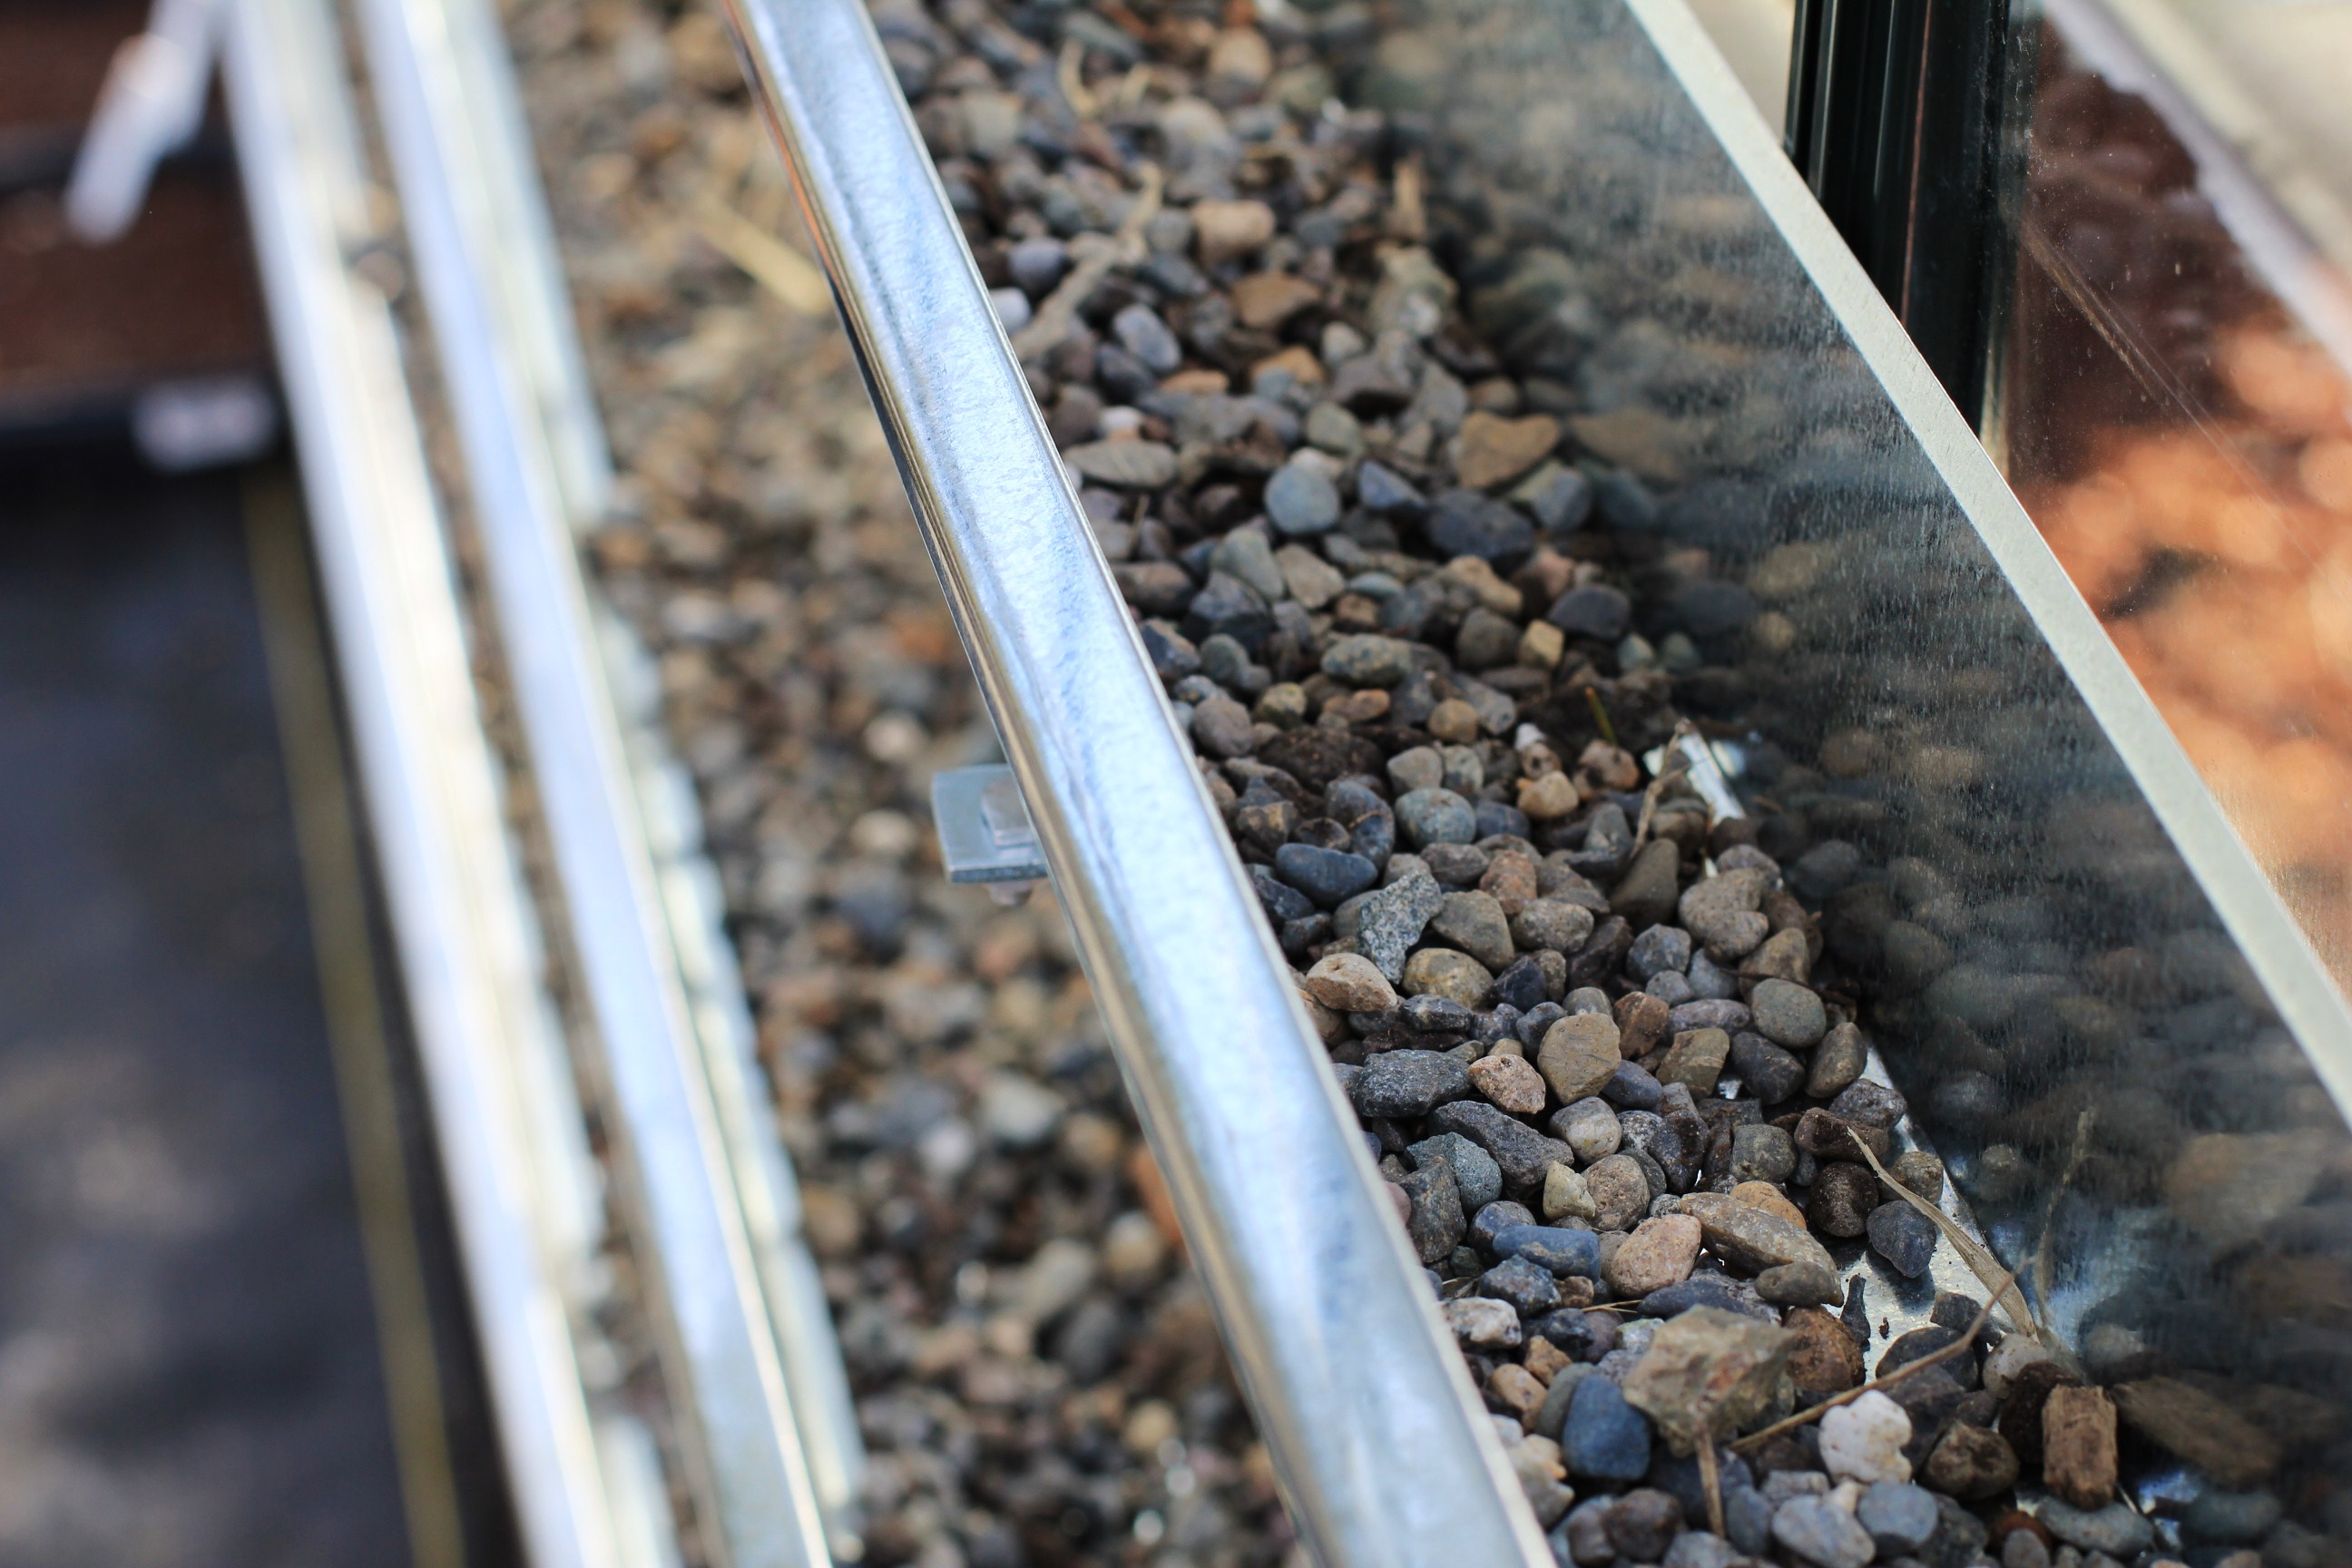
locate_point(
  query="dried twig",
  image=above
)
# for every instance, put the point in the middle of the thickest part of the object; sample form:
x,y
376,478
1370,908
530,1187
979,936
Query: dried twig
x,y
1408,218
1601,715
2082,1125
1710,1476
1073,84
1059,312
1982,1263
776,266
1933,1358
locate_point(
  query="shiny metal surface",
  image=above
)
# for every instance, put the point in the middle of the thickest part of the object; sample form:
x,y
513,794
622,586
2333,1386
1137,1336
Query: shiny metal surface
x,y
509,1125
677,1101
1385,1454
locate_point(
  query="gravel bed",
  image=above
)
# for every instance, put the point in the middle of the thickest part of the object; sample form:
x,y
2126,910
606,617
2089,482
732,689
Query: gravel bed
x,y
1338,414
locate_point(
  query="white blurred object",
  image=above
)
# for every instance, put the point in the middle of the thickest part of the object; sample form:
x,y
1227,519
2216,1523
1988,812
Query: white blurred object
x,y
152,102
183,425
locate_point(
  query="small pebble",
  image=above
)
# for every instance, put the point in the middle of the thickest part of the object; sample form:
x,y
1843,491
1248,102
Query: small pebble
x,y
1899,1517
1863,1441
1904,1237
1821,1533
1604,1438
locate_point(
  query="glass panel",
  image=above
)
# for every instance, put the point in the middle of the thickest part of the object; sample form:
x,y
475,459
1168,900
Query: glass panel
x,y
2048,983
2169,416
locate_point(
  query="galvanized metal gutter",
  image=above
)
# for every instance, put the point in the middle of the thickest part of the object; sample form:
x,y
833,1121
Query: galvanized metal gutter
x,y
509,1127
715,1216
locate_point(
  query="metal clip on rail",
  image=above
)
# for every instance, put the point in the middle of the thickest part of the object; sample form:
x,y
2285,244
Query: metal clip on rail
x,y
1385,1454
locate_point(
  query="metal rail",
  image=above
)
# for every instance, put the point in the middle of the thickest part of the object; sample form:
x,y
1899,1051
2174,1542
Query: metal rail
x,y
514,1156
716,1217
1386,1457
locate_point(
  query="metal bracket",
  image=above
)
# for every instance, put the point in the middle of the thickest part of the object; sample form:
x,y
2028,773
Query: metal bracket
x,y
985,834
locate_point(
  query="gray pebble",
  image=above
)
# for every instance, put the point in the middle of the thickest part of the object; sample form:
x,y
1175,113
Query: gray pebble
x,y
1383,491
1491,1220
1600,613
1837,1062
2118,1529
1476,1175
1143,334
1326,876
1037,264
1606,1440
1822,1533
1299,501
1788,1014
1387,922
1763,1153
1408,1083
1899,1517
1709,980
2230,1519
1868,1104
1524,1153
1468,523
1589,1127
1700,1549
1365,660
1770,1072
1747,1519
1435,816
1659,949
1528,1286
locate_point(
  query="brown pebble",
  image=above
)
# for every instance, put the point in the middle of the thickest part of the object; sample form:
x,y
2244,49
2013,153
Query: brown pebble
x,y
1971,1463
2020,1409
2078,1446
1517,1390
1511,878
1545,1359
1838,1060
1841,1200
1508,1083
2015,1520
1579,1055
1495,450
1825,1360
1227,231
1453,720
1266,299
1351,984
1829,1137
1697,1059
1771,1199
1659,1253
1641,1023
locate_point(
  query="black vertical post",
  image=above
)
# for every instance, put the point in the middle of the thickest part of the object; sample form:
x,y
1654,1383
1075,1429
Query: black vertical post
x,y
1894,119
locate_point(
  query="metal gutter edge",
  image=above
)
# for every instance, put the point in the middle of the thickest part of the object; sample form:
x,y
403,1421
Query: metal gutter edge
x,y
712,1211
535,308
1385,1452
512,1142
2281,955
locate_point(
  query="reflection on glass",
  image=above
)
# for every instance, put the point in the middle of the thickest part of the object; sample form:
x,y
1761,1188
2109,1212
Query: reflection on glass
x,y
2187,448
